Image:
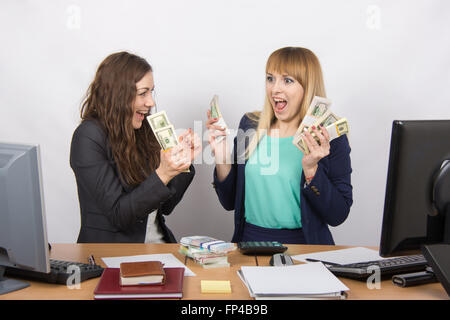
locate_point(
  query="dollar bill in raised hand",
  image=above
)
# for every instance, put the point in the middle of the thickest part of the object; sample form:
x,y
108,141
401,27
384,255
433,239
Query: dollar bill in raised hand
x,y
158,120
166,137
215,113
326,119
330,124
215,110
163,131
335,129
317,109
338,128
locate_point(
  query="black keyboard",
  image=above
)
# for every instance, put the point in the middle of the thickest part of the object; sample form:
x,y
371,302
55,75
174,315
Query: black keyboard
x,y
387,267
59,272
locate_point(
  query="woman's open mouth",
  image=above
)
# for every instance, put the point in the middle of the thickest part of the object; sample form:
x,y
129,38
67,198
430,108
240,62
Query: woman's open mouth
x,y
280,105
140,115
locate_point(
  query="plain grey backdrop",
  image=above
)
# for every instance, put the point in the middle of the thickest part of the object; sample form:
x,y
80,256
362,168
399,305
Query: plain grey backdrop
x,y
382,60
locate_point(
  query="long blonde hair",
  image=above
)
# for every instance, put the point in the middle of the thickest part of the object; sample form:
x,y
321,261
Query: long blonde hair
x,y
299,63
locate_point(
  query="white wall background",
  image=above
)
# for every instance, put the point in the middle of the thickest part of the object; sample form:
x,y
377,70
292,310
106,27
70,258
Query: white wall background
x,y
382,60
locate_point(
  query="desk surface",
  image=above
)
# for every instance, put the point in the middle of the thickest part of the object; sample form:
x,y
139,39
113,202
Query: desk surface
x,y
191,286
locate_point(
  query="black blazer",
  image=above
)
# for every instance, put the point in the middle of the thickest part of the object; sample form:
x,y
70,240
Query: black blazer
x,y
111,210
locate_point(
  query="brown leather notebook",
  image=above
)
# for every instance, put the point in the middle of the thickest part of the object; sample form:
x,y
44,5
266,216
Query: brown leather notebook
x,y
142,273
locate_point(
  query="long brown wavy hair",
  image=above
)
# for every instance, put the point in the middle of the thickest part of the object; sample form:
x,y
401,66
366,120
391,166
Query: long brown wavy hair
x,y
109,100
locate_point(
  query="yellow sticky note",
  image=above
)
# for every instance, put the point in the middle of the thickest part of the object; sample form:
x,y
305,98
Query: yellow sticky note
x,y
211,286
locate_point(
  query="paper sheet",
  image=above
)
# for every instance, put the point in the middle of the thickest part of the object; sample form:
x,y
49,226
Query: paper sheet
x,y
169,260
342,256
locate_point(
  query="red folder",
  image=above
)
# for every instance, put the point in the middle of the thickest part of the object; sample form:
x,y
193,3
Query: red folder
x,y
109,286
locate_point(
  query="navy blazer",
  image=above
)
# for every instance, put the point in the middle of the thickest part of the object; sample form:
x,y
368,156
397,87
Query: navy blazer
x,y
325,201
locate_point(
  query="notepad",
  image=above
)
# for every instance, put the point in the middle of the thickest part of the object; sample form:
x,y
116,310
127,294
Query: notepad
x,y
215,286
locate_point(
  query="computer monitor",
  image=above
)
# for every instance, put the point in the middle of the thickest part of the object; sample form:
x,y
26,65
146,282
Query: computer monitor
x,y
23,236
416,209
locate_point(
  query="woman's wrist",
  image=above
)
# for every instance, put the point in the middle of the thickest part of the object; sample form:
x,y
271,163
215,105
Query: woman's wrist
x,y
309,179
222,171
310,173
165,178
221,154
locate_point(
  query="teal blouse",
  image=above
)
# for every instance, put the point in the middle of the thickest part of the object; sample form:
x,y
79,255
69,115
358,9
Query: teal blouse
x,y
272,184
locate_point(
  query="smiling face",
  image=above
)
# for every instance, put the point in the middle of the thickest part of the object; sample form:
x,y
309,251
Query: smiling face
x,y
285,94
144,99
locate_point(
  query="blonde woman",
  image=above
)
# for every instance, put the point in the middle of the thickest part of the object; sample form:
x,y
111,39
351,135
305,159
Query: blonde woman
x,y
277,192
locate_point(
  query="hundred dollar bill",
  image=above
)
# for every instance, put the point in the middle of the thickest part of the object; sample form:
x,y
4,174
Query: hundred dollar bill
x,y
215,113
166,137
336,129
327,119
158,120
317,109
163,131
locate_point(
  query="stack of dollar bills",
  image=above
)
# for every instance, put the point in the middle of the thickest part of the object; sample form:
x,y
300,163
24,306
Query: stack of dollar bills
x,y
163,130
206,251
216,114
318,114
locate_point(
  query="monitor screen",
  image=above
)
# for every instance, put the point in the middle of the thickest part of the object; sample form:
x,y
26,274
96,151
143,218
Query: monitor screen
x,y
419,148
23,236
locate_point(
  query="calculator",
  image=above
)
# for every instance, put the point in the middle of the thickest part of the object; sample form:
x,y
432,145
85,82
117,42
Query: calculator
x,y
261,247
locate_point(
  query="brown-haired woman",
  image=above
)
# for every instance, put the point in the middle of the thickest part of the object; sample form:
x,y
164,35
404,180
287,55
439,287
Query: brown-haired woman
x,y
126,183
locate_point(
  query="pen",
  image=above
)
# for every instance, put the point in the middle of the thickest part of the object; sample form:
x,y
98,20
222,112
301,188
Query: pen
x,y
91,259
324,262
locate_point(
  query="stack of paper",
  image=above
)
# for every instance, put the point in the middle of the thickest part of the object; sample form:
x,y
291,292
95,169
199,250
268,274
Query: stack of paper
x,y
208,252
306,281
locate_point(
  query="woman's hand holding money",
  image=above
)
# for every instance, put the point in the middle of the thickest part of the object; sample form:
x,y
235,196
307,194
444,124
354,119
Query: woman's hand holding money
x,y
219,147
175,160
317,151
192,143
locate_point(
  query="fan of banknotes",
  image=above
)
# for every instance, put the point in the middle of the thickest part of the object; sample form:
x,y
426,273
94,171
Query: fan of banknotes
x,y
319,114
164,131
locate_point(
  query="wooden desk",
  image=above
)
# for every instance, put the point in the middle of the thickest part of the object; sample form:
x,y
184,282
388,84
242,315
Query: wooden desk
x,y
191,287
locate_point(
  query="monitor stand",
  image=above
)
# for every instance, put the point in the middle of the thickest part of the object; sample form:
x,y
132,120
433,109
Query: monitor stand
x,y
10,285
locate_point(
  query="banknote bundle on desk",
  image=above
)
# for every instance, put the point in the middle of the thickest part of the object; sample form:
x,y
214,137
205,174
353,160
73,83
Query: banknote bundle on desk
x,y
319,114
206,251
